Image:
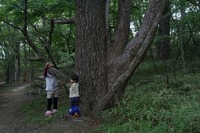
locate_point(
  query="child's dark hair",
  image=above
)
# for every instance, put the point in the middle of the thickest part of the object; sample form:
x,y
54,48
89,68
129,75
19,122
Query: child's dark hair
x,y
74,77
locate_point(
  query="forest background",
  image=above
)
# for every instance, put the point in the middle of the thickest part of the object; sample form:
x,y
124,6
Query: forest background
x,y
161,93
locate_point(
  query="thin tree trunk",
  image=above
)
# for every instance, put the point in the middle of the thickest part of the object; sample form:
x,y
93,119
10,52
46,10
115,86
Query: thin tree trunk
x,y
12,67
182,38
25,71
17,63
7,73
163,48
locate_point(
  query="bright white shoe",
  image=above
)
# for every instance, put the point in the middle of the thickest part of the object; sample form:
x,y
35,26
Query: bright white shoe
x,y
54,111
48,113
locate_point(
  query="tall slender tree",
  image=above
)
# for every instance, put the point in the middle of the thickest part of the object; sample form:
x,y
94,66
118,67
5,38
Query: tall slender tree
x,y
182,38
17,62
163,46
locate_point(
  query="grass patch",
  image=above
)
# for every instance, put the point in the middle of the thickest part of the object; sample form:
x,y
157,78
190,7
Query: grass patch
x,y
35,112
150,105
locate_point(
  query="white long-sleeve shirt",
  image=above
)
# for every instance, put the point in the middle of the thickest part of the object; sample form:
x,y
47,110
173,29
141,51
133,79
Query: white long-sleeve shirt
x,y
51,82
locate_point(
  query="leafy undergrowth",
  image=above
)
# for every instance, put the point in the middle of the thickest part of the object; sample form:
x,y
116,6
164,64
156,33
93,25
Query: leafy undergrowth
x,y
34,111
151,105
60,122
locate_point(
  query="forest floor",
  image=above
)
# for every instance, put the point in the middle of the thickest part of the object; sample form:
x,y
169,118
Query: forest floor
x,y
12,120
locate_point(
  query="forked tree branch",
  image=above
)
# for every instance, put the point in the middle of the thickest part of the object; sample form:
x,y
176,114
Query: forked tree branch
x,y
140,54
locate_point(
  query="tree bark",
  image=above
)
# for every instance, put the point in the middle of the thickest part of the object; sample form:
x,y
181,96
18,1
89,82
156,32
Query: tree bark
x,y
17,63
182,35
107,7
90,52
25,70
163,47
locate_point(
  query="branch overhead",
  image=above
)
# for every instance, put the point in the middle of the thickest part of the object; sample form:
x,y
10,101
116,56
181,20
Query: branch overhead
x,y
194,3
10,24
64,21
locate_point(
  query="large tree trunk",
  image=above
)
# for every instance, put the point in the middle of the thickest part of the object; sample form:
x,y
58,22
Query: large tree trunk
x,y
163,48
133,53
90,53
105,67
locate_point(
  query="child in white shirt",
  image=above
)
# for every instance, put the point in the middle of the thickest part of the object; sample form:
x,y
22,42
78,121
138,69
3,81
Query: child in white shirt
x,y
52,90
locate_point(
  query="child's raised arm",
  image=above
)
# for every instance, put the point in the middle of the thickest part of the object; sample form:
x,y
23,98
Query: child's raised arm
x,y
45,69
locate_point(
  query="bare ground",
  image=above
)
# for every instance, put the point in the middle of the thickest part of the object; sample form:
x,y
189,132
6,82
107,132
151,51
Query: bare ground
x,y
11,120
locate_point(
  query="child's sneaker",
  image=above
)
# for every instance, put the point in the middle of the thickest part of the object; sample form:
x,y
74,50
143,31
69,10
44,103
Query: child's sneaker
x,y
54,111
48,113
75,115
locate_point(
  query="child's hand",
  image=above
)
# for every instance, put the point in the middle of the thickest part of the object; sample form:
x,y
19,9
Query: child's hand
x,y
47,65
68,85
50,65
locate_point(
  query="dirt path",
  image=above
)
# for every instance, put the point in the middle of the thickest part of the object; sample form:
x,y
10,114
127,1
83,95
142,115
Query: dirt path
x,y
11,121
10,100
